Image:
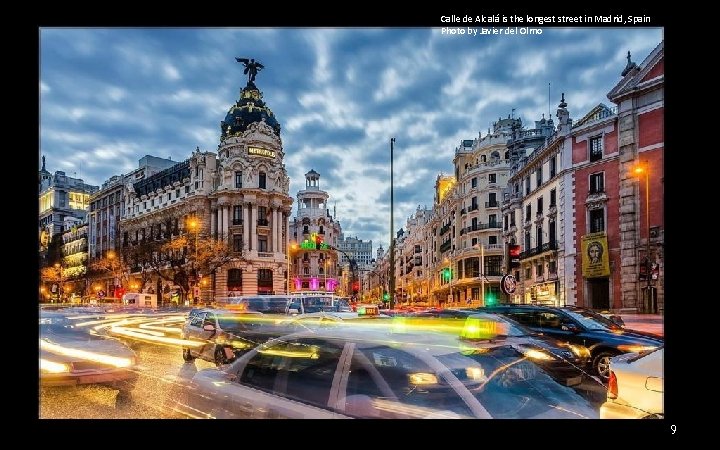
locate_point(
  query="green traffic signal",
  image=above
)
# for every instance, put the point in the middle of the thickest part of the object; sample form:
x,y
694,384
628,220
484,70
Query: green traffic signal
x,y
386,296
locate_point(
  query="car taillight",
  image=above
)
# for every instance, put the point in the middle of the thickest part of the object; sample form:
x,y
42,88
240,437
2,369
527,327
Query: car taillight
x,y
612,386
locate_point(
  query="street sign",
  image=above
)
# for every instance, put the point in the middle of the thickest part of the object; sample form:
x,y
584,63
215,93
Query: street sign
x,y
508,284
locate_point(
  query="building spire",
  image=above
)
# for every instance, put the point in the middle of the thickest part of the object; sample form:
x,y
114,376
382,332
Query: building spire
x,y
630,65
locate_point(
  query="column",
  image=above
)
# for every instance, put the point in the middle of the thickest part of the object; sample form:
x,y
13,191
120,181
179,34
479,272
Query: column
x,y
253,225
223,223
226,224
279,230
273,238
246,225
213,223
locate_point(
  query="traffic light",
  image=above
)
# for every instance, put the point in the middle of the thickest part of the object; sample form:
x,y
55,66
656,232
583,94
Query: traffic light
x,y
513,257
643,273
490,299
356,287
447,274
386,297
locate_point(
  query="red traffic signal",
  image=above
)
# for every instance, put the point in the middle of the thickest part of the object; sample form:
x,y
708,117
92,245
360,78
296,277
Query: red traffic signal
x,y
513,256
356,287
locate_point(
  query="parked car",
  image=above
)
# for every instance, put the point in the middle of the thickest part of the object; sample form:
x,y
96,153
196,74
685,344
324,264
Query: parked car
x,y
363,372
221,334
635,387
70,357
604,338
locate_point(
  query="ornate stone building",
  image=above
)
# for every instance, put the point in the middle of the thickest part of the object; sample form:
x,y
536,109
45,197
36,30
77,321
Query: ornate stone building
x,y
315,233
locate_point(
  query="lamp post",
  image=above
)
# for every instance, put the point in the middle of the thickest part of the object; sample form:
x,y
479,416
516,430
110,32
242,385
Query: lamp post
x,y
193,225
59,267
391,286
111,258
291,247
643,169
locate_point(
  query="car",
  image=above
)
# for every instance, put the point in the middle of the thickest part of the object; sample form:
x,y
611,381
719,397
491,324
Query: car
x,y
566,361
574,325
368,372
635,388
364,315
70,356
220,335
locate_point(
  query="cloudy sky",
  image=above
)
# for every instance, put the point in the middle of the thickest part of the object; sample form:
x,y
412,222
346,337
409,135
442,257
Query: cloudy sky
x,y
110,96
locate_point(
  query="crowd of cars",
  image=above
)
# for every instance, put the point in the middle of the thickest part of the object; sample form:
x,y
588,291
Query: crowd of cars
x,y
507,361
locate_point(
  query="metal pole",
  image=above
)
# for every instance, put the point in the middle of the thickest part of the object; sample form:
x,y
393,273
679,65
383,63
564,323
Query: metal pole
x,y
287,282
392,231
482,273
647,219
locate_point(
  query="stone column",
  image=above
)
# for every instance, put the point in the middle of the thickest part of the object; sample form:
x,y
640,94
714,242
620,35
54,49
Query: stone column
x,y
213,223
253,225
273,241
228,213
246,225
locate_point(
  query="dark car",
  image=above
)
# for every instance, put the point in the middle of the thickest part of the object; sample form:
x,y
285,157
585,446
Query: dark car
x,y
566,362
604,338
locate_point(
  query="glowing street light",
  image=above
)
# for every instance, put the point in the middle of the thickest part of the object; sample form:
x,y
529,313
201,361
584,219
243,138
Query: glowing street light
x,y
640,170
292,247
194,225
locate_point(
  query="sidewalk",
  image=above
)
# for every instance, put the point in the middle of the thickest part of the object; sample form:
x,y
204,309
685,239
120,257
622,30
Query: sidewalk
x,y
650,323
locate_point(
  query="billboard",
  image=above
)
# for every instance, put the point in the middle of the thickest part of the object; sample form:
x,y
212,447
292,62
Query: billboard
x,y
595,255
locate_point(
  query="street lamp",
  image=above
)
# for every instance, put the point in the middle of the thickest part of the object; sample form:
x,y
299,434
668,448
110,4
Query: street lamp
x,y
111,257
59,268
195,226
392,231
291,247
643,169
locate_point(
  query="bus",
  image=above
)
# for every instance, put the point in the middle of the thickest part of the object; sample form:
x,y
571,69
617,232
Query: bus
x,y
295,303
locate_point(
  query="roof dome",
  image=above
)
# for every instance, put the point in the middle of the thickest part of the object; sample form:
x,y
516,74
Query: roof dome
x,y
248,109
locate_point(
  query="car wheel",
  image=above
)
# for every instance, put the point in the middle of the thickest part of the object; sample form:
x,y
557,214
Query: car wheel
x,y
220,358
187,356
601,364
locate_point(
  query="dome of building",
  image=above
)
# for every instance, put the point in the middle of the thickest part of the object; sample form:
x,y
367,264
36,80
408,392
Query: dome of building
x,y
250,108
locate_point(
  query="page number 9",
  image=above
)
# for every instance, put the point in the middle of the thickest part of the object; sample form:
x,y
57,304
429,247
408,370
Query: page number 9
x,y
673,428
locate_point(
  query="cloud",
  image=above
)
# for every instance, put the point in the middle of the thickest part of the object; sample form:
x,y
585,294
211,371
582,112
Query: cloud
x,y
339,94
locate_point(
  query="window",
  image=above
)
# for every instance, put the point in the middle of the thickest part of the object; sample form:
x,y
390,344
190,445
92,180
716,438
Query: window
x,y
528,212
512,219
539,270
234,280
595,148
492,240
473,242
473,204
528,273
492,178
265,278
262,244
553,166
553,232
237,242
238,178
237,214
262,216
492,199
262,180
539,237
553,196
507,220
473,182
552,268
527,240
306,271
538,176
540,205
597,220
527,186
492,221
187,189
597,183
177,193
304,379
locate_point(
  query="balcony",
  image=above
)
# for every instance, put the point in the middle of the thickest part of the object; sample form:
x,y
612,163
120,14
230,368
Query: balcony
x,y
473,208
494,204
237,222
263,222
444,229
265,254
445,246
463,212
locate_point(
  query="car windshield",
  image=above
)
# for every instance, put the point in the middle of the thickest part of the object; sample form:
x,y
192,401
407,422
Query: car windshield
x,y
513,328
238,323
592,320
511,386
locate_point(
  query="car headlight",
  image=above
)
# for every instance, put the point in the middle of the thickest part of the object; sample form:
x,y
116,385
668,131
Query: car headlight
x,y
636,348
53,367
579,350
537,355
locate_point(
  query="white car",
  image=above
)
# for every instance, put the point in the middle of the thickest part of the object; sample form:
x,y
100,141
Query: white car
x,y
635,387
367,372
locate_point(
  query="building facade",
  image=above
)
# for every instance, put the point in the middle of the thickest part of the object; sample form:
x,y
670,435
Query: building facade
x,y
315,235
60,196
